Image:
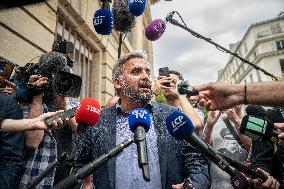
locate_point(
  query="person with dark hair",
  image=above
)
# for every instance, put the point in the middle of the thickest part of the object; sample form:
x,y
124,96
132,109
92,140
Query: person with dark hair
x,y
174,72
170,160
168,86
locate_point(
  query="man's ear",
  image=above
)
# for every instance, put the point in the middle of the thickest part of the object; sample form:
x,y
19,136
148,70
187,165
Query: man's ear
x,y
117,84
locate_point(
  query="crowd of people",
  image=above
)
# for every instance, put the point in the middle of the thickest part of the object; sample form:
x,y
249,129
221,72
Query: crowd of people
x,y
29,146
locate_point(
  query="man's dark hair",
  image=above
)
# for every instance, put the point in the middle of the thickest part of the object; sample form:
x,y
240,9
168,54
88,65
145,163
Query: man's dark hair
x,y
176,73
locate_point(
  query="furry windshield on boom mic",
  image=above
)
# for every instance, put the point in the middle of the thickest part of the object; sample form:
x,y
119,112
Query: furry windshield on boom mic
x,y
136,7
103,19
155,29
123,20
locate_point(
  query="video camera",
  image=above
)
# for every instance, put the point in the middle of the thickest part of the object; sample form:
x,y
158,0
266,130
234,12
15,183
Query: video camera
x,y
54,66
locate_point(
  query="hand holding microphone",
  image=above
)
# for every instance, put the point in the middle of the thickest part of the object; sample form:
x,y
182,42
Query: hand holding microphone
x,y
280,128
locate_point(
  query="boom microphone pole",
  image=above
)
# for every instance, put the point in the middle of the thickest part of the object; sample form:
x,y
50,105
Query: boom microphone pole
x,y
170,19
88,169
48,170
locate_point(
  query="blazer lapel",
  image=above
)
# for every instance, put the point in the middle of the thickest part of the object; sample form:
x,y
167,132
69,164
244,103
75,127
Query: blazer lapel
x,y
160,132
111,132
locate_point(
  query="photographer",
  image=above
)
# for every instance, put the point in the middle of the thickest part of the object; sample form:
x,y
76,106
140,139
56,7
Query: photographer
x,y
44,95
168,84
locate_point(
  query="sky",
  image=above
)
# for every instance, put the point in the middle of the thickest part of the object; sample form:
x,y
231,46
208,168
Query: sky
x,y
224,21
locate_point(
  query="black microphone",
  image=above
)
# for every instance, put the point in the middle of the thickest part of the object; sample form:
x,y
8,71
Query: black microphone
x,y
258,128
184,88
181,127
244,169
88,169
139,122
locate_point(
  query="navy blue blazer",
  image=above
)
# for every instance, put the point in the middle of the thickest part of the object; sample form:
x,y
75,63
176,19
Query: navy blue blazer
x,y
178,159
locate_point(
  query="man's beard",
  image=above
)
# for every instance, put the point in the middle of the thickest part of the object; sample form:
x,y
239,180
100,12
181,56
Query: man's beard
x,y
136,94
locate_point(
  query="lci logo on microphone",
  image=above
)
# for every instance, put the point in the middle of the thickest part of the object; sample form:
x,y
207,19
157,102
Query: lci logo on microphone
x,y
140,113
177,123
98,20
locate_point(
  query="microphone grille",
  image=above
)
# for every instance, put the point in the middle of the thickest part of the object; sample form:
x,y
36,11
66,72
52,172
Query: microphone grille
x,y
136,7
179,125
103,21
88,112
139,116
155,29
123,20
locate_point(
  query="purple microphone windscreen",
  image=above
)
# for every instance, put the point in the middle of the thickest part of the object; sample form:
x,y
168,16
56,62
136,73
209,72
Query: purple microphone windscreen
x,y
155,29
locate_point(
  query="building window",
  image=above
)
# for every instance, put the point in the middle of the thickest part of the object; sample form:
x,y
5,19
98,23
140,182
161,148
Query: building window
x,y
82,55
282,65
275,28
245,47
251,78
280,45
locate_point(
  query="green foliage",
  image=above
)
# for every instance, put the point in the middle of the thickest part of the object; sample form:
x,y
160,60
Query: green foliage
x,y
161,97
205,113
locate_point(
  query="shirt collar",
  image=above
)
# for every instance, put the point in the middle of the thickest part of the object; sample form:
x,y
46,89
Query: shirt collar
x,y
148,106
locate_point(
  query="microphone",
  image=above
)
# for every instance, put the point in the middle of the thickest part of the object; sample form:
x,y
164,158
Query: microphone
x,y
257,128
255,110
181,127
157,27
52,62
123,20
136,7
103,19
139,122
244,169
184,88
88,112
88,169
86,115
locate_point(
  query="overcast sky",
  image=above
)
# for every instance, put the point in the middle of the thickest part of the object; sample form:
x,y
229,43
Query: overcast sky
x,y
224,21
